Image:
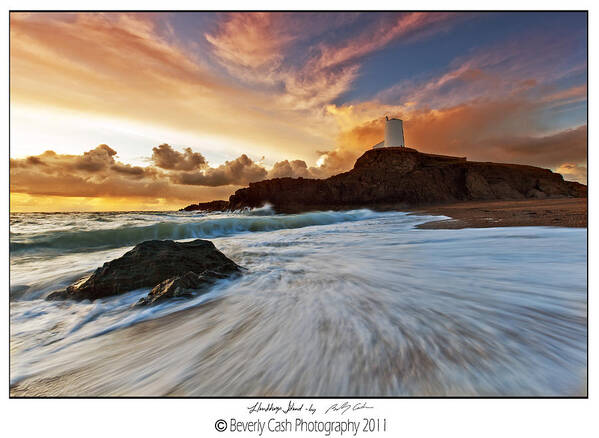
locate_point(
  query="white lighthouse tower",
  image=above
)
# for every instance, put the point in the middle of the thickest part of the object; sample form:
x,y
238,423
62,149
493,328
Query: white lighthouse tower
x,y
393,134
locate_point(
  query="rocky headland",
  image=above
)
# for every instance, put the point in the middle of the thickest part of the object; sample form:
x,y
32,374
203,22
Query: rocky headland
x,y
405,178
208,206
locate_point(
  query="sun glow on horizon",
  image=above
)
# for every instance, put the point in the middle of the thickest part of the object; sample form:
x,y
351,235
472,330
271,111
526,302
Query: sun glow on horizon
x,y
32,126
25,203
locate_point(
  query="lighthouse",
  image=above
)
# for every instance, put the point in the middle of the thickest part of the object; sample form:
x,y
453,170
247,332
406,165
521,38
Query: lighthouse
x,y
393,134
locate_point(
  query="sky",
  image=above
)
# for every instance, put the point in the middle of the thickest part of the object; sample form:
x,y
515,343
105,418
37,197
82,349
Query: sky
x,y
154,111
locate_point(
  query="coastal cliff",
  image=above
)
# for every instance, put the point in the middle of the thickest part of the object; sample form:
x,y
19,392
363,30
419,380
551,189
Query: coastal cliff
x,y
207,206
406,177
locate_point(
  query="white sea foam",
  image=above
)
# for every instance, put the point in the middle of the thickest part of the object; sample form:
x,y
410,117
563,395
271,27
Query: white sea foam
x,y
332,303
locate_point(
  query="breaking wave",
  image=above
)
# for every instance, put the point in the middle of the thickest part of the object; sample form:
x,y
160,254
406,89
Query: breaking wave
x,y
182,227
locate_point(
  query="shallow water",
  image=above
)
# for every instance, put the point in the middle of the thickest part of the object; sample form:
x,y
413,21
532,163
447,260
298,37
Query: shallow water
x,y
333,303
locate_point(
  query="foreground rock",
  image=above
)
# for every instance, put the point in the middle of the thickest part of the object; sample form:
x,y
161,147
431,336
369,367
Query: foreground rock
x,y
405,177
208,206
149,264
185,285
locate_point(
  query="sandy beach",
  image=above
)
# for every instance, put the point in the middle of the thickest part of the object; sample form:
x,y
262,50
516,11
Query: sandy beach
x,y
564,212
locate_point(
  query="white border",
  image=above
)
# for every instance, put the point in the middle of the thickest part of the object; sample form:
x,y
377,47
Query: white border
x,y
411,417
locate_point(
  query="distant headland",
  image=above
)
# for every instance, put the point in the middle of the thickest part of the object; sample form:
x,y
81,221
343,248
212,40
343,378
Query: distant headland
x,y
403,178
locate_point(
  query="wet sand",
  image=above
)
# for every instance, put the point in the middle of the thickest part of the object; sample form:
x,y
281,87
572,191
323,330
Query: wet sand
x,y
564,212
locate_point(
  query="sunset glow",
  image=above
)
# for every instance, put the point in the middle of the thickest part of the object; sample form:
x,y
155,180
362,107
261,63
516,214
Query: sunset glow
x,y
152,111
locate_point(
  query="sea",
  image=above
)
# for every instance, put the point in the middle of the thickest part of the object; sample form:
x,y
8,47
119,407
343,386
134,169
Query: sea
x,y
331,303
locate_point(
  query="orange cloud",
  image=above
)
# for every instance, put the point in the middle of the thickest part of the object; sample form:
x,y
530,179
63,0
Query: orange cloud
x,y
240,171
117,65
253,40
275,101
379,35
293,169
487,106
165,157
299,169
254,46
96,174
520,68
568,95
573,172
174,179
481,130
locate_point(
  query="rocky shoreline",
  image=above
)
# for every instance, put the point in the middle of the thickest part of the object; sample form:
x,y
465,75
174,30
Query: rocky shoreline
x,y
208,206
405,179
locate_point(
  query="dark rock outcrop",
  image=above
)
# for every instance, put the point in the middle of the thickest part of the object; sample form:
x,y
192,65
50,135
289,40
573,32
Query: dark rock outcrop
x,y
406,177
185,285
149,264
207,206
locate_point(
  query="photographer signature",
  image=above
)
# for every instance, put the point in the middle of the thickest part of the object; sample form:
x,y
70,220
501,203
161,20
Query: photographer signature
x,y
345,406
271,407
338,408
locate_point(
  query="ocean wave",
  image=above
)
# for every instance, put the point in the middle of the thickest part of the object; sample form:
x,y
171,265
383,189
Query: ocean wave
x,y
380,308
204,227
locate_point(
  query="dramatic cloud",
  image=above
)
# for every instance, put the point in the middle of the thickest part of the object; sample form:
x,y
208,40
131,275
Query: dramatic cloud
x,y
352,143
96,160
482,131
165,157
252,40
260,48
521,67
293,169
95,164
263,48
489,106
549,151
381,33
125,67
97,174
281,86
240,171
